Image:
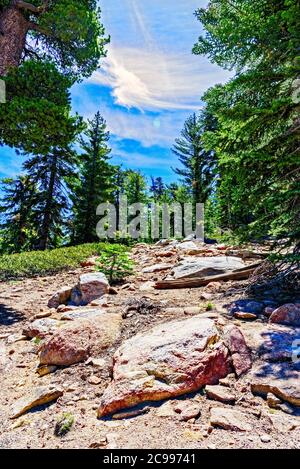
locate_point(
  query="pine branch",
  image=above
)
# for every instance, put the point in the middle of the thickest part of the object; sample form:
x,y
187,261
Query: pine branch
x,y
32,8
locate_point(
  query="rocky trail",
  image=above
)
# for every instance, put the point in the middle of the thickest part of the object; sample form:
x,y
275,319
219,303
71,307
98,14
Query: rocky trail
x,y
140,366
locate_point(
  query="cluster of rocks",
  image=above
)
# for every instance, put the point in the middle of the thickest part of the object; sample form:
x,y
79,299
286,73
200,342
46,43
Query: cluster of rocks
x,y
180,356
91,286
288,314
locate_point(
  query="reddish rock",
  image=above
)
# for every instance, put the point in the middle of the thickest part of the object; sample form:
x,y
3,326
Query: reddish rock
x,y
92,286
81,338
169,360
241,355
288,314
91,262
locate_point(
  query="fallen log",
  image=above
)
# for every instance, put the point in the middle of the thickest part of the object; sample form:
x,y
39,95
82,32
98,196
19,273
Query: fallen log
x,y
238,274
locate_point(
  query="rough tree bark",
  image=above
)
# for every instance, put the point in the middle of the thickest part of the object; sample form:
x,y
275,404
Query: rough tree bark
x,y
15,22
13,30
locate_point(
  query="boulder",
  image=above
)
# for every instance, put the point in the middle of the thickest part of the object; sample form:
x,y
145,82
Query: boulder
x,y
271,342
41,328
288,314
92,286
169,360
241,355
81,338
229,419
196,267
37,396
280,379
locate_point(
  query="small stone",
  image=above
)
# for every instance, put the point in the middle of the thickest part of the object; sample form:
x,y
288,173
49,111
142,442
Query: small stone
x,y
206,296
96,362
91,262
65,308
44,314
265,438
99,444
147,286
219,393
225,382
273,401
156,268
46,370
187,411
279,379
16,338
244,315
93,379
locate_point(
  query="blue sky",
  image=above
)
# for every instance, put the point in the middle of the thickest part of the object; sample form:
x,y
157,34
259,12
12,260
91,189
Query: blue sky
x,y
147,86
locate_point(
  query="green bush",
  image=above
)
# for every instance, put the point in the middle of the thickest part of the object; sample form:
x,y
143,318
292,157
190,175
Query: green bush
x,y
114,262
64,424
28,264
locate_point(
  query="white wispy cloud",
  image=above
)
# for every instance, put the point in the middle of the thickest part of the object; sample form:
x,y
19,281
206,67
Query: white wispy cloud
x,y
152,80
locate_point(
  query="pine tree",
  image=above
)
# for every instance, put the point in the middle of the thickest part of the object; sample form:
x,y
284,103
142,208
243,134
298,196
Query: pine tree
x,y
135,187
157,188
94,184
199,164
17,214
49,173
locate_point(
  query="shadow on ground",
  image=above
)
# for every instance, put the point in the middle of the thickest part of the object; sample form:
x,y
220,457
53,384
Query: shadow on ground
x,y
9,316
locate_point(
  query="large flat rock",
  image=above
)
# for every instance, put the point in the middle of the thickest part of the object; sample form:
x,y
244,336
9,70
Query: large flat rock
x,y
196,267
171,359
281,379
230,419
81,337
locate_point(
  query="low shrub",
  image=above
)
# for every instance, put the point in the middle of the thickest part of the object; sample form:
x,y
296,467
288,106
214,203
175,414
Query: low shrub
x,y
29,264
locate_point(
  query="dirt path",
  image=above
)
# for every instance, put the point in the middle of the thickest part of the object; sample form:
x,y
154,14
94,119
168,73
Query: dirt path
x,y
160,427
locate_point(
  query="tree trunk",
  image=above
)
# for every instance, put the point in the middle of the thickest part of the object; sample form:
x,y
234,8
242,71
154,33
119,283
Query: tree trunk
x,y
13,30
